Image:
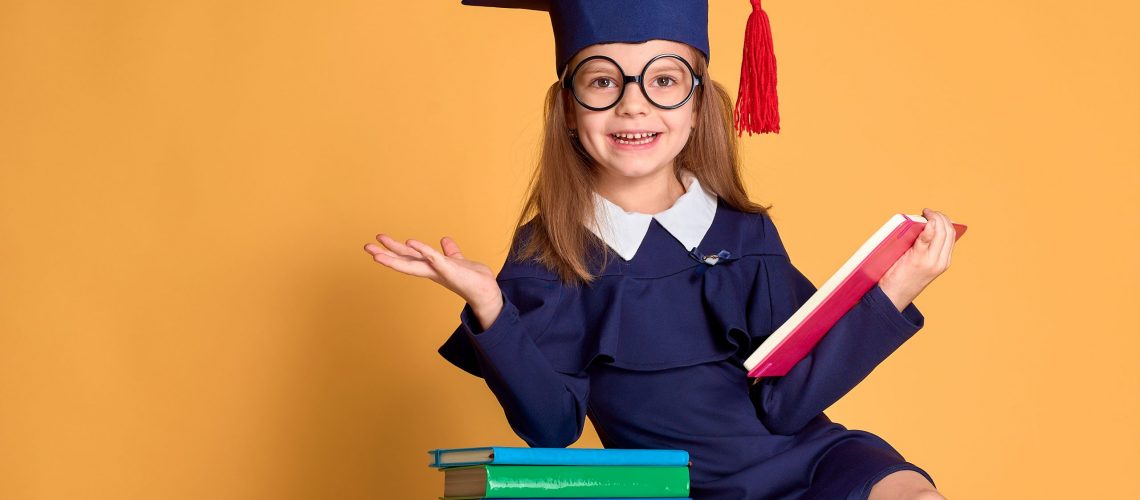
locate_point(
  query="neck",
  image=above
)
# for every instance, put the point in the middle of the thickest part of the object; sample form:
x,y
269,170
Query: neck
x,y
648,194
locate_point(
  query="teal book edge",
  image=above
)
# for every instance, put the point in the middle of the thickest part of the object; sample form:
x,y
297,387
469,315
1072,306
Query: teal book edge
x,y
516,455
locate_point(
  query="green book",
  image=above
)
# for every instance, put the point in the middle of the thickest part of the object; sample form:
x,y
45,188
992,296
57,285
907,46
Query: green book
x,y
564,481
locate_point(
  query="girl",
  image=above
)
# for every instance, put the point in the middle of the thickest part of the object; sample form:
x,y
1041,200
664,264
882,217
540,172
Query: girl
x,y
646,276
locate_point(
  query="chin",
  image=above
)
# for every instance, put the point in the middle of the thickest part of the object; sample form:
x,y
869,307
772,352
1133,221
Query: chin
x,y
633,169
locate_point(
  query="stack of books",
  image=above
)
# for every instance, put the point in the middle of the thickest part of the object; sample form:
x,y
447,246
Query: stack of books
x,y
492,472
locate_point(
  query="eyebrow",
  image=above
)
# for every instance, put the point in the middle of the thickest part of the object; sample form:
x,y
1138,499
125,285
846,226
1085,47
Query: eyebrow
x,y
572,64
591,71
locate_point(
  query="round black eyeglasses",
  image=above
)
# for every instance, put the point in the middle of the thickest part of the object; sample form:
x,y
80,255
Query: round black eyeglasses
x,y
598,82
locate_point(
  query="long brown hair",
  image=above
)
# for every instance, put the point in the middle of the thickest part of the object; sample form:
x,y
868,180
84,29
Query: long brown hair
x,y
561,189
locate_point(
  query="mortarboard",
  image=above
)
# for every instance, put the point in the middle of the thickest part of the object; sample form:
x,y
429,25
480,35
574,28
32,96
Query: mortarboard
x,y
580,23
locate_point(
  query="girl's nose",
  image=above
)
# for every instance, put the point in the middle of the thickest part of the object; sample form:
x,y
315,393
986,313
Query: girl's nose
x,y
632,101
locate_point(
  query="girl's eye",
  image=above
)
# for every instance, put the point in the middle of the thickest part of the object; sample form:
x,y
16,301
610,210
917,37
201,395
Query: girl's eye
x,y
603,80
665,79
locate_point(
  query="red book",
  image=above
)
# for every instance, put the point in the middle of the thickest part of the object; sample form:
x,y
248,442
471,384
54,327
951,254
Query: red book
x,y
792,341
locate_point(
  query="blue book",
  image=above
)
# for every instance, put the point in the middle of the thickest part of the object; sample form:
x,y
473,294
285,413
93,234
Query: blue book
x,y
518,455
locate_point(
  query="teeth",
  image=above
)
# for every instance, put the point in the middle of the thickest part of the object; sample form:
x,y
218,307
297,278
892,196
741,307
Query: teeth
x,y
634,136
640,138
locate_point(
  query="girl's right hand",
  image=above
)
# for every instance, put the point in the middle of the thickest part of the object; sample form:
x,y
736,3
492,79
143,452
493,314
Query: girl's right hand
x,y
471,280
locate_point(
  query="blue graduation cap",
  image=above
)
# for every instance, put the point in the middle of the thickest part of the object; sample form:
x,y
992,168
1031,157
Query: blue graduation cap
x,y
580,23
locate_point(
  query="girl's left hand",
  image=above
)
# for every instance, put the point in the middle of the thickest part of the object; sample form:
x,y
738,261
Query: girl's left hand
x,y
922,262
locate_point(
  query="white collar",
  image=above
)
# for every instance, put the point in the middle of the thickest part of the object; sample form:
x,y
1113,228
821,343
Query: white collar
x,y
687,220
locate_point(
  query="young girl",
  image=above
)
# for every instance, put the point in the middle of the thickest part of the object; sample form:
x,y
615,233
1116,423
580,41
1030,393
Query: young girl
x,y
646,277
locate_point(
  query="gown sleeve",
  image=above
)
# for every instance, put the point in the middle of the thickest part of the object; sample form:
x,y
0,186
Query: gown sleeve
x,y
862,338
544,407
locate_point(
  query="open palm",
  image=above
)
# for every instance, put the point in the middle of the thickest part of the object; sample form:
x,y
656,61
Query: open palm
x,y
473,281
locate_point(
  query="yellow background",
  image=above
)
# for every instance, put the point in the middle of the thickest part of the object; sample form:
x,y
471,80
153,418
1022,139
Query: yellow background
x,y
186,311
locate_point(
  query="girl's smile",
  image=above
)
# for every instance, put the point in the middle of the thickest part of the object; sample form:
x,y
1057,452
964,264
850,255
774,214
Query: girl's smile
x,y
633,141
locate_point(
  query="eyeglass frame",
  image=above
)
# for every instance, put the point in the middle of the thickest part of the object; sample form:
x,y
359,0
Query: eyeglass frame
x,y
567,82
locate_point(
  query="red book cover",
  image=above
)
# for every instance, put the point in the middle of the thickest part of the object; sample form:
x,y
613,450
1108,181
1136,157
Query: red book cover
x,y
792,341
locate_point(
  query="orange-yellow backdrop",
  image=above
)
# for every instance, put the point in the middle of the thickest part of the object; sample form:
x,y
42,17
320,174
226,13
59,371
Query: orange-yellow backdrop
x,y
186,311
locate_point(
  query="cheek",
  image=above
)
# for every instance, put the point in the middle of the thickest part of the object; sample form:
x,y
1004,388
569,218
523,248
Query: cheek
x,y
592,124
681,119
681,138
681,125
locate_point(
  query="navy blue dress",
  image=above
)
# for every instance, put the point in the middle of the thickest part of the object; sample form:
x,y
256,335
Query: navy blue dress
x,y
652,353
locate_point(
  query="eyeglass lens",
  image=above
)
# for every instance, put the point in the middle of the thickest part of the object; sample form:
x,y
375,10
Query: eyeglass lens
x,y
666,82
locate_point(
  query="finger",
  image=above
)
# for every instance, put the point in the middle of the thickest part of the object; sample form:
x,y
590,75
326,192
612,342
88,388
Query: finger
x,y
406,265
396,246
436,259
450,248
927,234
374,249
954,235
949,244
936,240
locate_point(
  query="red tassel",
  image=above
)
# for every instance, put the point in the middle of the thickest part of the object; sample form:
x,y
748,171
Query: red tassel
x,y
757,107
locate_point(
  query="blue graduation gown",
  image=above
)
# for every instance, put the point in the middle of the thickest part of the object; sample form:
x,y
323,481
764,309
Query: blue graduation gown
x,y
653,353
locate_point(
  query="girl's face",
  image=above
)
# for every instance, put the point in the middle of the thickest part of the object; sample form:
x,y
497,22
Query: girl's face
x,y
633,114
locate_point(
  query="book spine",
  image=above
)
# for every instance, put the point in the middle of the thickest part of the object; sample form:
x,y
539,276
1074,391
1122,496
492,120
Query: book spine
x,y
568,481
